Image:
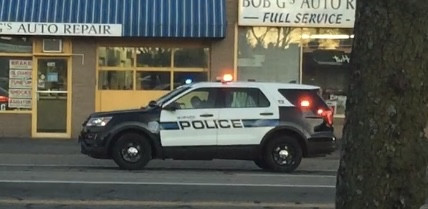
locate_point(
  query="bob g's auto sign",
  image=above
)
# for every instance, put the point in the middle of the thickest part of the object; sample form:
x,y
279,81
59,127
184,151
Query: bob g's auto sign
x,y
297,13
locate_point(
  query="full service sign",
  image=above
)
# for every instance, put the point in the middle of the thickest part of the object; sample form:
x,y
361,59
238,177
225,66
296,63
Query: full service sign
x,y
297,13
60,29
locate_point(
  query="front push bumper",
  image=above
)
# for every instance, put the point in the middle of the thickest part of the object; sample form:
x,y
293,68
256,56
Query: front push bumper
x,y
93,144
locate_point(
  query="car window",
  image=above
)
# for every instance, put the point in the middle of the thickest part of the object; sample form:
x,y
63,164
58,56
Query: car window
x,y
244,98
198,99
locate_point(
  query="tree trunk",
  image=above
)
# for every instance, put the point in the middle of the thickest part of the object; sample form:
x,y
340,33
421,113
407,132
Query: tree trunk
x,y
384,152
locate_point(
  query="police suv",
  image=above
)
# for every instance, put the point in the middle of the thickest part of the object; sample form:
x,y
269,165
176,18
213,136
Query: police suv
x,y
272,124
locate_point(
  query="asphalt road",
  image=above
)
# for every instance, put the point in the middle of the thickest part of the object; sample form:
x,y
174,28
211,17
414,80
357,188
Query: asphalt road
x,y
24,186
52,174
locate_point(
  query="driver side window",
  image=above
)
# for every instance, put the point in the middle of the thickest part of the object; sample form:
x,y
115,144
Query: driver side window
x,y
198,99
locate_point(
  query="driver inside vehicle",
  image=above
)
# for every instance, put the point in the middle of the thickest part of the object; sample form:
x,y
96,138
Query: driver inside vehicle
x,y
196,102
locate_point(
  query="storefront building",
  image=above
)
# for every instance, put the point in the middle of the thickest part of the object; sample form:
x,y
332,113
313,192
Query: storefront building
x,y
298,41
61,60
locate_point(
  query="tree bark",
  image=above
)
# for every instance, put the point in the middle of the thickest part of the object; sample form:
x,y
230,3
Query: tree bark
x,y
384,149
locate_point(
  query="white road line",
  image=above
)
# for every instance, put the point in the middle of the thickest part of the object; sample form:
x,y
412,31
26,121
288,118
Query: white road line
x,y
54,165
24,181
285,175
151,168
123,203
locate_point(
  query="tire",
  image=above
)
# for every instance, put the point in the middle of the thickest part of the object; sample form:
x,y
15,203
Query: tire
x,y
132,151
261,164
283,154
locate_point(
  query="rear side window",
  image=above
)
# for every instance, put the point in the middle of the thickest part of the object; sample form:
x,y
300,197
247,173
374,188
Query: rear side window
x,y
244,98
296,96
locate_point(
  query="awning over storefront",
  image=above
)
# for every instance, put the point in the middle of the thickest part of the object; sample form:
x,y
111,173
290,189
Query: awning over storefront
x,y
131,18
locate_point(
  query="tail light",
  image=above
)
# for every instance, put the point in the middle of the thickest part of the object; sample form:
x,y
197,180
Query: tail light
x,y
305,103
4,99
327,116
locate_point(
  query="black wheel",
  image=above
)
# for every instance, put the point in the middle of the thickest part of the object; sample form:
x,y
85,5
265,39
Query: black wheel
x,y
261,163
283,154
132,151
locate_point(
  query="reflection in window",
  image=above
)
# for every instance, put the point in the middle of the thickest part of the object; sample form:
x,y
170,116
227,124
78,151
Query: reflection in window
x,y
115,56
191,57
181,78
13,44
326,59
15,83
115,80
269,54
245,98
153,57
153,81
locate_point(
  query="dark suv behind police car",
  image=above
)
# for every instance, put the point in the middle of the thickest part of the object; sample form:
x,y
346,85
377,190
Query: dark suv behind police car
x,y
272,124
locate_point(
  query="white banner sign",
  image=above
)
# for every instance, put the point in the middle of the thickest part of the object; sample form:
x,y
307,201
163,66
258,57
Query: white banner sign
x,y
297,13
20,83
60,29
20,74
21,64
20,93
20,103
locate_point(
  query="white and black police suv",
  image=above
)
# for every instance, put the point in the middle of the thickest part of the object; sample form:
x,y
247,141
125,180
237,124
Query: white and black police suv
x,y
272,124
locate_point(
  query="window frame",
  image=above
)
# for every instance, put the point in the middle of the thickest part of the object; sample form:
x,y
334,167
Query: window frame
x,y
26,56
136,69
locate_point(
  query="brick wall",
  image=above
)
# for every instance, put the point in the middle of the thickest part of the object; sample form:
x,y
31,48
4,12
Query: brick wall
x,y
83,96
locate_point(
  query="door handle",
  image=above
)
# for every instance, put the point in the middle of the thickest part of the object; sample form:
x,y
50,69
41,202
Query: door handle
x,y
206,115
266,113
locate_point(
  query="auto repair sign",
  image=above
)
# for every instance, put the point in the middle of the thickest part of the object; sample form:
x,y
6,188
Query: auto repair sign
x,y
60,29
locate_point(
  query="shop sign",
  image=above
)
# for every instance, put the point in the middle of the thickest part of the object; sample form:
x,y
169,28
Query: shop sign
x,y
297,13
20,83
342,59
20,93
20,103
20,74
21,64
60,29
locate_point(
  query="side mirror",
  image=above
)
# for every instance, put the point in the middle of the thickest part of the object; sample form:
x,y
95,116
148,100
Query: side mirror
x,y
153,103
172,106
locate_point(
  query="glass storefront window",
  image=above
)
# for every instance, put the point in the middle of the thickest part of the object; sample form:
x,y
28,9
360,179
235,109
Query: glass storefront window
x,y
317,56
15,44
181,78
191,57
326,58
269,54
115,56
15,83
153,68
154,81
153,57
115,80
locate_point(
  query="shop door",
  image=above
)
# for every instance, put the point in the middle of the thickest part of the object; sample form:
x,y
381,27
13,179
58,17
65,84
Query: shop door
x,y
52,98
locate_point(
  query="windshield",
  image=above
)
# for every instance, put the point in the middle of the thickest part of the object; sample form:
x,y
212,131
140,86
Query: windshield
x,y
171,94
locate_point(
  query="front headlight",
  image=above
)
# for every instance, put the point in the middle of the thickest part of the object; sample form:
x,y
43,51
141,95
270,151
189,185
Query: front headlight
x,y
99,121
